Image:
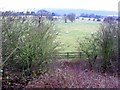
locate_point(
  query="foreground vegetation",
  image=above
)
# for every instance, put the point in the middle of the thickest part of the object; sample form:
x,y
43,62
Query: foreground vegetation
x,y
102,44
29,47
73,74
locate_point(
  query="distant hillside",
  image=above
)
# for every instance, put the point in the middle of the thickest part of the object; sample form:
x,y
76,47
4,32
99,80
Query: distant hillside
x,y
79,11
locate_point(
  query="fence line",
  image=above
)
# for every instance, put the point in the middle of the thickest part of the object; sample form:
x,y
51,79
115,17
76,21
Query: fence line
x,y
69,55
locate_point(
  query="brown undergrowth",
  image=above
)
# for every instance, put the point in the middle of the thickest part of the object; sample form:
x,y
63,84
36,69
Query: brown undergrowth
x,y
73,74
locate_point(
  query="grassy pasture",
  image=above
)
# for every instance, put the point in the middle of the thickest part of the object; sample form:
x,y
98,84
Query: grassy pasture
x,y
70,32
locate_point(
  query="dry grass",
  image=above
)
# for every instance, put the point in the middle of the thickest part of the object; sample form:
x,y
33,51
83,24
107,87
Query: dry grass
x,y
70,75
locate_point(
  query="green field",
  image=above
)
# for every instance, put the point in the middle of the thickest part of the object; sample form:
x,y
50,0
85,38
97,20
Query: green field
x,y
70,32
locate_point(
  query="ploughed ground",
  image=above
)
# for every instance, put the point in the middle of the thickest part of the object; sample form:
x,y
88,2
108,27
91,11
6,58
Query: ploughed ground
x,y
73,74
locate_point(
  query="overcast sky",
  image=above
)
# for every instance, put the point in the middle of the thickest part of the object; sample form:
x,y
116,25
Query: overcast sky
x,y
111,5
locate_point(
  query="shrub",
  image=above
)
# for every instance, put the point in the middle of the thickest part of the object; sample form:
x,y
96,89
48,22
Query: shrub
x,y
104,44
107,42
32,41
90,48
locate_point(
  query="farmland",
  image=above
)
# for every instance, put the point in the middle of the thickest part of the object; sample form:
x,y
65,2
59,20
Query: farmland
x,y
70,32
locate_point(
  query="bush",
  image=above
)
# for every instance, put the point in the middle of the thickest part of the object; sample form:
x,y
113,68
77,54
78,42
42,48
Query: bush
x,y
90,48
28,44
107,42
103,44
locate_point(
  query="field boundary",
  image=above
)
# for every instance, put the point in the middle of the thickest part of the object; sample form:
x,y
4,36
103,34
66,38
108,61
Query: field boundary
x,y
70,55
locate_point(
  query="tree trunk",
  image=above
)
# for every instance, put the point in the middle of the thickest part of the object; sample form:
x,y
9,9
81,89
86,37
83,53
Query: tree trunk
x,y
65,20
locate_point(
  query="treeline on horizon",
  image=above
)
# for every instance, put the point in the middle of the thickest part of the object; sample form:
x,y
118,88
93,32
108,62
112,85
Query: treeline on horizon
x,y
48,13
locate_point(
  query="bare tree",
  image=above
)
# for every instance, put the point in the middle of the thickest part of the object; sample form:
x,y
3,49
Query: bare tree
x,y
71,17
65,18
